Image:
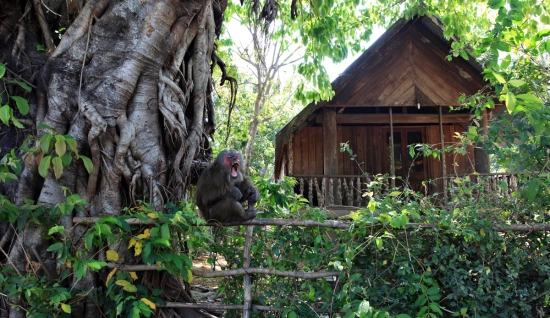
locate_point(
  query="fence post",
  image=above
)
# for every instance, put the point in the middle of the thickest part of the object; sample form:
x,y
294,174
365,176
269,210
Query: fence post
x,y
246,264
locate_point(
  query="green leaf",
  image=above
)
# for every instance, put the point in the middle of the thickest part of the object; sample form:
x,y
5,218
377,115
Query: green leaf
x,y
495,4
95,265
55,247
499,78
435,308
16,123
432,290
510,102
44,166
379,243
66,159
88,241
2,70
57,164
56,229
72,144
45,143
530,99
517,83
40,47
87,163
402,316
60,145
44,126
533,189
506,62
24,86
503,46
66,308
22,104
372,205
5,114
394,194
165,231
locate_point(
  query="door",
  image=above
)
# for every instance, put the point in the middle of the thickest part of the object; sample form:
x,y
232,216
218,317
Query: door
x,y
411,168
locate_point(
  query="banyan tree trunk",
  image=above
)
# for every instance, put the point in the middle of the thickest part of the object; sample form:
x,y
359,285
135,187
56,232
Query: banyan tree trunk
x,y
131,82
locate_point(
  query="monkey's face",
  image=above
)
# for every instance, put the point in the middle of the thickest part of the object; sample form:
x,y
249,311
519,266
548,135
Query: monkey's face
x,y
232,160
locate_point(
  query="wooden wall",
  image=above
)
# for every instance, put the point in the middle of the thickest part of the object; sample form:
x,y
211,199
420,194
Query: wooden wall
x,y
365,142
307,150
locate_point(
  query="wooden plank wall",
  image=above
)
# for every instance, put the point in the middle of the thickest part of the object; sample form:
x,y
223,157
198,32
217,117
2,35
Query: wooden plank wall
x,y
464,164
368,143
365,142
307,148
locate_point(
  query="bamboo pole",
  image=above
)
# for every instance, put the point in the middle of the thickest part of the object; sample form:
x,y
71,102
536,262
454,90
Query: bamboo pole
x,y
246,264
229,272
392,153
331,224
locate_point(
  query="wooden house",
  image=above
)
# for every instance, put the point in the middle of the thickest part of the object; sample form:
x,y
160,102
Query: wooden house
x,y
399,92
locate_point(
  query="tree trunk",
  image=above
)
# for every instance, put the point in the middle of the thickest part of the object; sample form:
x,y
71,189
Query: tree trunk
x,y
131,82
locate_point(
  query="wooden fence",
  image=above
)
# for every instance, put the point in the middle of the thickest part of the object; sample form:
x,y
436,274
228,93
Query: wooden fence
x,y
246,271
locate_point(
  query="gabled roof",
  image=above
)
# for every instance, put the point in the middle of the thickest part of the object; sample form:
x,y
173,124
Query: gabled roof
x,y
406,66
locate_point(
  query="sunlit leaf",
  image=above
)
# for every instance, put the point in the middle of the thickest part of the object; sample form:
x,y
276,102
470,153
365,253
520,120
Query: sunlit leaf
x,y
133,275
111,273
66,308
112,255
149,303
60,145
510,102
57,165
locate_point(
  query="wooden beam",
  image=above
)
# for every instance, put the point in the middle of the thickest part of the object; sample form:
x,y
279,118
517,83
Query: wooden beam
x,y
442,140
401,118
330,164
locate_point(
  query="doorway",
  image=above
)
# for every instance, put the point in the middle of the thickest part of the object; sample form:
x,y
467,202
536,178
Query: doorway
x,y
411,168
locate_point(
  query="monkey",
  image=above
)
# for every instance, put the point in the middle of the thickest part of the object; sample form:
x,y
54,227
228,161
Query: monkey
x,y
223,187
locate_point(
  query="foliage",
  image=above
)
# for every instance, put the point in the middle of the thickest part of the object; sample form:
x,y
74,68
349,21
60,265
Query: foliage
x,y
159,243
6,111
459,264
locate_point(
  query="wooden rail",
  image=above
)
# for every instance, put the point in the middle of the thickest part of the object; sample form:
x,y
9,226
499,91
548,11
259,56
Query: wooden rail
x,y
324,191
347,190
246,270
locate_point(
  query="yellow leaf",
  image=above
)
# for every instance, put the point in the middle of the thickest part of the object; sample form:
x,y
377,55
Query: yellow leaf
x,y
132,243
153,215
133,275
189,276
66,308
110,276
145,234
149,303
69,264
112,255
137,248
122,282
